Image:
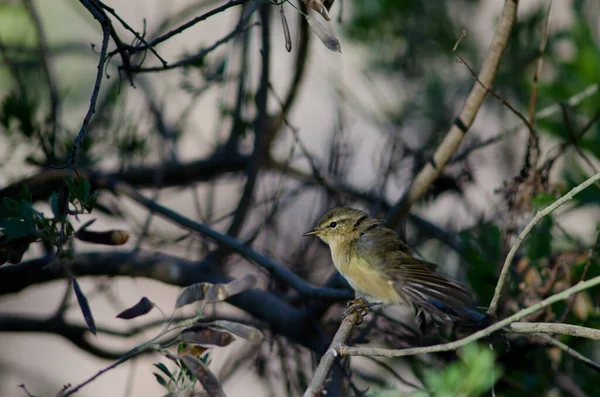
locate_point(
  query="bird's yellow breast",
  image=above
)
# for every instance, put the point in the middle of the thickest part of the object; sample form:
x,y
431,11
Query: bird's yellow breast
x,y
364,278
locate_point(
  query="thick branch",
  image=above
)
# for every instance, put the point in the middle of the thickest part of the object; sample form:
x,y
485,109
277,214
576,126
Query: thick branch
x,y
220,163
282,318
463,122
73,333
343,333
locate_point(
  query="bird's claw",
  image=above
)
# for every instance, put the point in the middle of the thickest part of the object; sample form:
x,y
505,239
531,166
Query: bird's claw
x,y
358,306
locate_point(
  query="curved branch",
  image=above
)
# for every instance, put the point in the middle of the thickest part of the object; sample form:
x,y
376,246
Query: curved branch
x,y
303,287
463,122
366,351
74,333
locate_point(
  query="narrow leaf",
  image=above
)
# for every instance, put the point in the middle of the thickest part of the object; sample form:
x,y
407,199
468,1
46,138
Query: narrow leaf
x,y
205,336
206,378
286,30
54,204
85,307
161,380
324,33
139,309
164,370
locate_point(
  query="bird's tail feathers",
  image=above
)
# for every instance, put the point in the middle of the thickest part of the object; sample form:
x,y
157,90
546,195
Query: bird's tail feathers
x,y
440,300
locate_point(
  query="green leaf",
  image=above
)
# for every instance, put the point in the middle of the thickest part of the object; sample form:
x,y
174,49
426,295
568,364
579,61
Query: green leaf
x,y
482,250
85,307
13,228
161,380
539,241
54,204
164,370
543,200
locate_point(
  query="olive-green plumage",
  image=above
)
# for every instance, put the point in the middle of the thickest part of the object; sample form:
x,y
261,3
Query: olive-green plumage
x,y
380,267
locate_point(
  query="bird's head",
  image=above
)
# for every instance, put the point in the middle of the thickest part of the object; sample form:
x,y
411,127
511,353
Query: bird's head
x,y
338,225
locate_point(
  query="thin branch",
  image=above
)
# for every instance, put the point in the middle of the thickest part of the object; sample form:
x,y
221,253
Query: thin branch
x,y
571,352
533,146
463,122
187,25
367,351
105,24
555,328
44,54
538,217
112,11
240,29
260,124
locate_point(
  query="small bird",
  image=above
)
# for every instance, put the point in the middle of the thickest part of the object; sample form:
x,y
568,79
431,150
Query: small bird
x,y
381,269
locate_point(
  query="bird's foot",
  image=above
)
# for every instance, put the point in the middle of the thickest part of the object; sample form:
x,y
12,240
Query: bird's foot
x,y
360,307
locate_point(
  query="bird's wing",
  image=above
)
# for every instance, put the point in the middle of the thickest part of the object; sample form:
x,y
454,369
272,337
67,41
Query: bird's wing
x,y
416,280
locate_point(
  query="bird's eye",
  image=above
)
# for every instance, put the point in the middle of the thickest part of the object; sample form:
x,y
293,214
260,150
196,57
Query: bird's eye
x,y
333,225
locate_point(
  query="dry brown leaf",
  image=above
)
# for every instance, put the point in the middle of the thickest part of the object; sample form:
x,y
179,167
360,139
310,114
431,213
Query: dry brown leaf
x,y
244,331
199,335
212,293
206,378
319,7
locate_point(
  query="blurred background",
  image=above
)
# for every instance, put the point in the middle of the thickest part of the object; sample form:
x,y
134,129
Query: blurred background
x,y
222,125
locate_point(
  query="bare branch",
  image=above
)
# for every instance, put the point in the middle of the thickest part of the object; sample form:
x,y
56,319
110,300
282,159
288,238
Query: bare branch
x,y
367,351
463,122
570,351
105,24
554,328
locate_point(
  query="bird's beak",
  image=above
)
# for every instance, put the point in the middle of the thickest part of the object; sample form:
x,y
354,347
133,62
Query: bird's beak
x,y
311,233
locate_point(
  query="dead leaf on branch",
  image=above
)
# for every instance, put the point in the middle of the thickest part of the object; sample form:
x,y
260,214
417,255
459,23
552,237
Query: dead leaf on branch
x,y
324,32
244,331
320,7
212,293
206,378
139,309
199,335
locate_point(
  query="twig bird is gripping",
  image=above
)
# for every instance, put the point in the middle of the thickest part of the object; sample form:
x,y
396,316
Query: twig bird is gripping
x,y
380,268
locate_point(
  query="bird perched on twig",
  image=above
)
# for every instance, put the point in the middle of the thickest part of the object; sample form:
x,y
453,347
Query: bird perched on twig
x,y
381,269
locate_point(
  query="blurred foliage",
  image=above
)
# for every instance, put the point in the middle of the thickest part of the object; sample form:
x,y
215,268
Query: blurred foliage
x,y
411,43
473,374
